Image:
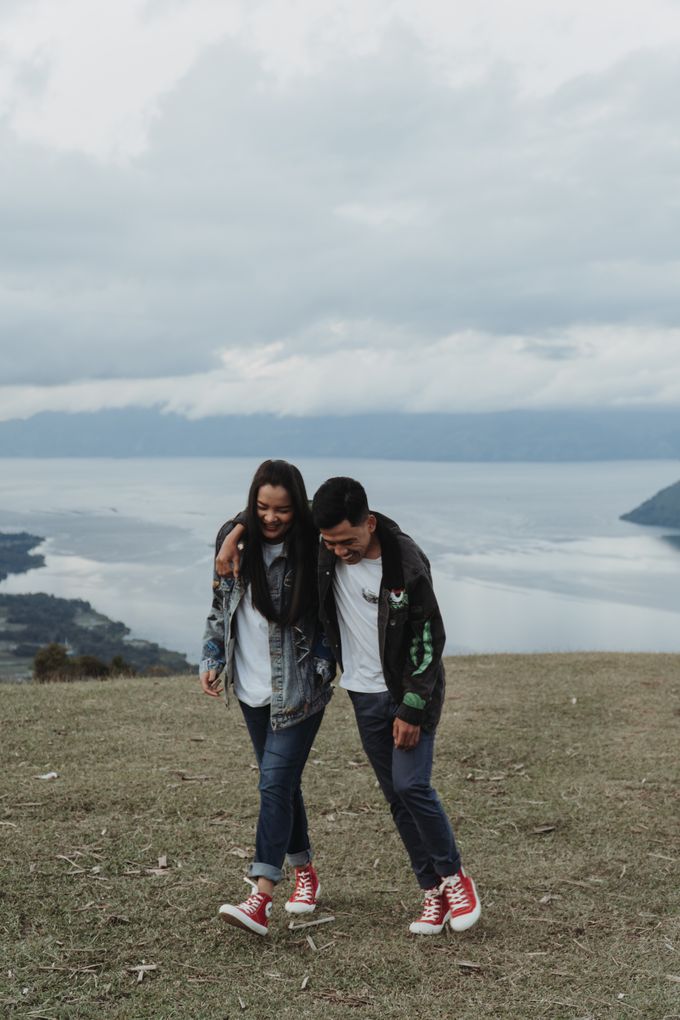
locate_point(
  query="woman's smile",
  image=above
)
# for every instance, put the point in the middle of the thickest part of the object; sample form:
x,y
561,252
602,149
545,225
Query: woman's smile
x,y
274,511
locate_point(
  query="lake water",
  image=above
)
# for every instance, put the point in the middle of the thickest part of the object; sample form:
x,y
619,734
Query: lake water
x,y
525,557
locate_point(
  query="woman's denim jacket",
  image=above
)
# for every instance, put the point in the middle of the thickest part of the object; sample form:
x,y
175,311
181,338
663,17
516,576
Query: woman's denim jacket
x,y
302,663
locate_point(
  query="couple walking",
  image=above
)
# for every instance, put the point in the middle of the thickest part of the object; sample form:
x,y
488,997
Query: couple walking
x,y
339,583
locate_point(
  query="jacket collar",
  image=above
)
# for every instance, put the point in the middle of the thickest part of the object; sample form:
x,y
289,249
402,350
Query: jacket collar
x,y
393,573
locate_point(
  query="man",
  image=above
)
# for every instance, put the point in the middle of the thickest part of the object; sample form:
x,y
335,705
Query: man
x,y
383,623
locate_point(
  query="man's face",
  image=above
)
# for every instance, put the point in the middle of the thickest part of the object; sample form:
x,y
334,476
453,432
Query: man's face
x,y
352,542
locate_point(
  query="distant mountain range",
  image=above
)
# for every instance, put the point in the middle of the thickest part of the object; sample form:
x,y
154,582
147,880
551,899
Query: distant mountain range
x,y
502,436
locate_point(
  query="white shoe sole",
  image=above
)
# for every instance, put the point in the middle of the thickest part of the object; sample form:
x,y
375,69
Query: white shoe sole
x,y
465,921
421,928
303,908
234,916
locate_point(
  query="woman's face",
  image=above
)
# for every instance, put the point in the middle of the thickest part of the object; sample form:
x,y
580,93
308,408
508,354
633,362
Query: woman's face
x,y
275,512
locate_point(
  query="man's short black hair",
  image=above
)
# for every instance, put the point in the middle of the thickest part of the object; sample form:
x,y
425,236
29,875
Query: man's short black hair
x,y
337,500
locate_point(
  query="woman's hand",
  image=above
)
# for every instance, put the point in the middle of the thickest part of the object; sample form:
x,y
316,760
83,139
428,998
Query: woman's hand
x,y
228,560
210,685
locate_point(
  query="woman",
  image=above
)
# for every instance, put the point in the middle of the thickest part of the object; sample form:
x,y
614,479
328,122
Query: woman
x,y
263,631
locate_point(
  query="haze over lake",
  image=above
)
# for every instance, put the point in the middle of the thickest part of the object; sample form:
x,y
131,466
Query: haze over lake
x,y
526,557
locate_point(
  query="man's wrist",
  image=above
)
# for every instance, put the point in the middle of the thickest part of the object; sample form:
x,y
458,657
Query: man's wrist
x,y
412,708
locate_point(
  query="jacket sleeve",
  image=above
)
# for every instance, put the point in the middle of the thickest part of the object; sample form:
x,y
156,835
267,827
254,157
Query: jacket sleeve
x,y
213,652
426,638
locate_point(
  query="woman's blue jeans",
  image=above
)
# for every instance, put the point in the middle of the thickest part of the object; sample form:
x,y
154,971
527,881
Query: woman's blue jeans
x,y
282,824
404,778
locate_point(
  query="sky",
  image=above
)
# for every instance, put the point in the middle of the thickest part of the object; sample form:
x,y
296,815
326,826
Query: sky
x,y
339,206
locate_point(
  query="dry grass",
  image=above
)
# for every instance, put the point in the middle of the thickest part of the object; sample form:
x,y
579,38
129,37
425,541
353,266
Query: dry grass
x,y
560,770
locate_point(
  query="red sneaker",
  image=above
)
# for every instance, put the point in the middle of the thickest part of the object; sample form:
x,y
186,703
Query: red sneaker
x,y
252,914
306,892
434,916
463,903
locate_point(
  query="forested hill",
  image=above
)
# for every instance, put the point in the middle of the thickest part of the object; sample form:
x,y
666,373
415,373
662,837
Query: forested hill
x,y
15,553
503,436
31,621
663,509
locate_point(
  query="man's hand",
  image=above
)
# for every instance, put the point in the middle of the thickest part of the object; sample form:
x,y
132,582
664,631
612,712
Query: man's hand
x,y
405,735
210,685
228,560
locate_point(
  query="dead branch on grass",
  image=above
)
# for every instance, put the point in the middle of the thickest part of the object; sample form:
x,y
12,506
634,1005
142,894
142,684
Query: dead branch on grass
x,y
308,924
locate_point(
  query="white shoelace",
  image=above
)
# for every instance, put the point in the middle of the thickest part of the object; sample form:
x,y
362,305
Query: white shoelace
x,y
454,891
431,906
303,885
252,903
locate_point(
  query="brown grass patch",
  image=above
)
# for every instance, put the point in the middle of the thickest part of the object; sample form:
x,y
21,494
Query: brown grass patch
x,y
560,771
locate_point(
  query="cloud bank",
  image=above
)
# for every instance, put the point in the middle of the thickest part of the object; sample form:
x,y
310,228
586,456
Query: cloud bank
x,y
338,206
466,372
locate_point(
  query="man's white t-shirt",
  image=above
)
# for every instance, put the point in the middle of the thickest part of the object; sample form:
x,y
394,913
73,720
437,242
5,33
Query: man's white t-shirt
x,y
252,663
356,587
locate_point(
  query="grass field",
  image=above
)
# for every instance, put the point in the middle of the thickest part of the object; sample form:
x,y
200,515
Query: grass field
x,y
560,771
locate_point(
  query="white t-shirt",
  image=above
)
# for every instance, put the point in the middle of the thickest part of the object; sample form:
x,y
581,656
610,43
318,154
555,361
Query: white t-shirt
x,y
252,662
356,587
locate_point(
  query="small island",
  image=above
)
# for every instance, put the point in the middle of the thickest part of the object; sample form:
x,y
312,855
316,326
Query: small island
x,y
662,510
30,622
15,553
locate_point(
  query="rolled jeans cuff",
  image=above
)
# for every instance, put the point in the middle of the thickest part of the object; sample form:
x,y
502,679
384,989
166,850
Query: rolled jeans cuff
x,y
300,859
258,870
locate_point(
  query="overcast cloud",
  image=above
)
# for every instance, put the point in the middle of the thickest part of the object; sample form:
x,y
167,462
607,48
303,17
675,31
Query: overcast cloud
x,y
327,206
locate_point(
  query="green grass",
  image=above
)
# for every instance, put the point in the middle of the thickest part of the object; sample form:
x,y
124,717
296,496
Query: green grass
x,y
581,919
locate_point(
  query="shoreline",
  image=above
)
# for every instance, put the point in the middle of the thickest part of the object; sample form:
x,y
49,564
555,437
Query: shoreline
x,y
31,620
524,559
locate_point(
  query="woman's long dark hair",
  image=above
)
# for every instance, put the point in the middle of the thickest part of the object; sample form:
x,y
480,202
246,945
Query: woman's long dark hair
x,y
301,546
